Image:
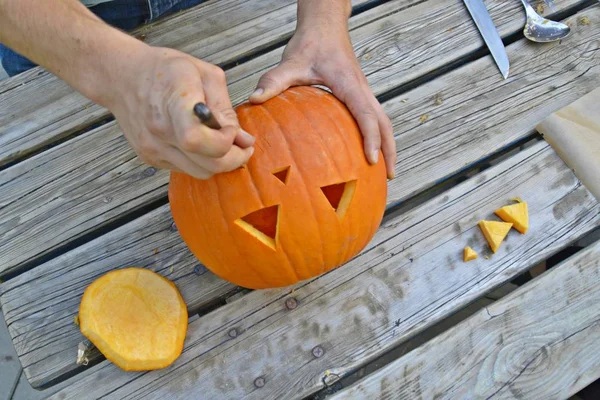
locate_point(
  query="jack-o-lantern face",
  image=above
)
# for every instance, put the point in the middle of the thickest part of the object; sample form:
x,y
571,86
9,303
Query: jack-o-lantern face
x,y
306,202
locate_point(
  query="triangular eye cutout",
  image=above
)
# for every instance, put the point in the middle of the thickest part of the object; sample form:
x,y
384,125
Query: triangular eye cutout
x,y
339,196
262,224
282,174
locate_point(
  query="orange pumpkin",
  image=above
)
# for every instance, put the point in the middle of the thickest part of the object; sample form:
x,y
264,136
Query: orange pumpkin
x,y
307,201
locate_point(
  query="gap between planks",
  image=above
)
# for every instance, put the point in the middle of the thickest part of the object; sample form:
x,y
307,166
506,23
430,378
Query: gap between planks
x,y
148,241
410,277
37,109
58,353
120,184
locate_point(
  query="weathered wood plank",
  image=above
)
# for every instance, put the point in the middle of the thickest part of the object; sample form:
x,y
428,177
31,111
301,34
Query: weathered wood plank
x,y
410,277
37,108
454,128
49,348
39,353
540,342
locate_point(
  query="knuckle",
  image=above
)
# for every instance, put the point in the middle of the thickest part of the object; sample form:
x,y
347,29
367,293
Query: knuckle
x,y
218,73
190,142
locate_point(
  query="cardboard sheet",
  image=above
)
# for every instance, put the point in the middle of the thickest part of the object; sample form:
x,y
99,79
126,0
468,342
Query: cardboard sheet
x,y
574,133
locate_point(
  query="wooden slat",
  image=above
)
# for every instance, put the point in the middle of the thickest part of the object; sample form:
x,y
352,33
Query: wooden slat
x,y
456,122
37,108
410,277
36,298
540,342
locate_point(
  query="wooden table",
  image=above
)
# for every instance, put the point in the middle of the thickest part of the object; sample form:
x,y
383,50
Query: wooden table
x,y
75,202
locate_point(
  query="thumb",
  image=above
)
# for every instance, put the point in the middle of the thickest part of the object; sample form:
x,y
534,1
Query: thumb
x,y
279,79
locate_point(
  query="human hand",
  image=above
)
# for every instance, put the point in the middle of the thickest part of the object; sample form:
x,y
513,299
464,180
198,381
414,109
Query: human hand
x,y
324,55
154,103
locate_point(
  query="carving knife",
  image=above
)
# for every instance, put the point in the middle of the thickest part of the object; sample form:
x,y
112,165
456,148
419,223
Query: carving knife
x,y
490,35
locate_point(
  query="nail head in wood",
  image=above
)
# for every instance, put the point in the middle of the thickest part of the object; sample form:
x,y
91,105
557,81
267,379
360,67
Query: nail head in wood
x,y
149,171
259,382
232,333
199,269
318,351
291,303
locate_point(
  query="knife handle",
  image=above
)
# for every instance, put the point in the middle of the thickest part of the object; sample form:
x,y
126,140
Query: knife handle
x,y
206,116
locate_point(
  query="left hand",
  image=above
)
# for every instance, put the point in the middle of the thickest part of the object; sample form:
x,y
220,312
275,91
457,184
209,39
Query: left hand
x,y
323,55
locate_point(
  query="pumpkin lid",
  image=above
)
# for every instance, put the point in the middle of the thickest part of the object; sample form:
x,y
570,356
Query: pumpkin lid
x,y
135,317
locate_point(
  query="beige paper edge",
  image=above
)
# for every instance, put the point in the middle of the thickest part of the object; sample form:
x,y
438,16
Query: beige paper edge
x,y
574,133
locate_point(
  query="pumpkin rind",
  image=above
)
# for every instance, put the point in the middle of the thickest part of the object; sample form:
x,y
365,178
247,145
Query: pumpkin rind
x,y
135,317
312,136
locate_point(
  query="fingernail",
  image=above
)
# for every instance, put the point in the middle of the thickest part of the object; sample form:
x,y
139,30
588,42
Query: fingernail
x,y
247,135
257,92
375,156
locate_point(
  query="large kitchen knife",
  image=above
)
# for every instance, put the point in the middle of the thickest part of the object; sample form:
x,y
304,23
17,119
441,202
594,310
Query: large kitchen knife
x,y
486,27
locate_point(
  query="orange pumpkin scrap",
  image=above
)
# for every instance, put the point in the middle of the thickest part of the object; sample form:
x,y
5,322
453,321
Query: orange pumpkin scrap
x,y
469,254
494,232
135,317
306,202
517,214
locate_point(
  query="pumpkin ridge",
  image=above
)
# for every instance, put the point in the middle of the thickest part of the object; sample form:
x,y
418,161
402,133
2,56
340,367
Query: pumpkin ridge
x,y
332,100
282,132
309,121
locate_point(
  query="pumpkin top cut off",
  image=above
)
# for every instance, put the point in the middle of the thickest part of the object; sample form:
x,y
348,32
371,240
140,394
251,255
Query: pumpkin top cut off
x,y
135,317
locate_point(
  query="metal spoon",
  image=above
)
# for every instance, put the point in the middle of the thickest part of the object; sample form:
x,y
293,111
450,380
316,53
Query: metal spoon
x,y
540,29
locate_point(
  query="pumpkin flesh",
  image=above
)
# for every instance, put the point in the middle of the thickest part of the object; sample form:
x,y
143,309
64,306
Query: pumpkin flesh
x,y
135,317
494,232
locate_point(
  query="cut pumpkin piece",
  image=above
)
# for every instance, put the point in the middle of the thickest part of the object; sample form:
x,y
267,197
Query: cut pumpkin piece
x,y
517,214
494,232
135,317
469,254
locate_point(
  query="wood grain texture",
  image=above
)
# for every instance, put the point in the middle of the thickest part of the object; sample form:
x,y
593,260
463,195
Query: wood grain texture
x,y
540,342
475,119
37,108
409,278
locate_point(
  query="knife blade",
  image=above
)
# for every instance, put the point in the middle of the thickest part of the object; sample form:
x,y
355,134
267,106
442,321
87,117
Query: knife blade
x,y
490,34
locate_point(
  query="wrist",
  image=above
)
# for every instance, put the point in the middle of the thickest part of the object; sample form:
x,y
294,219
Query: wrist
x,y
318,14
110,67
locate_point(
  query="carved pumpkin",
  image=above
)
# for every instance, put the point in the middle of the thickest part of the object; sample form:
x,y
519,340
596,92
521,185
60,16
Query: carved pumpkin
x,y
306,202
135,317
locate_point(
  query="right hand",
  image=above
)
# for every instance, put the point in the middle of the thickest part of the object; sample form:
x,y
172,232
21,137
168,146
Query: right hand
x,y
153,104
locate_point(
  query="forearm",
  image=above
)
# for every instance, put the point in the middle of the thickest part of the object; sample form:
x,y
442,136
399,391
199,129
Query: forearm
x,y
319,13
67,39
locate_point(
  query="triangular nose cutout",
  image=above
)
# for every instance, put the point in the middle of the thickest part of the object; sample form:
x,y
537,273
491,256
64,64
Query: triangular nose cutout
x,y
282,174
262,224
339,196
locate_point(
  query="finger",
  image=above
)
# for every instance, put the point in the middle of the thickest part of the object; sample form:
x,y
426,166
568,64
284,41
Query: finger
x,y
280,78
244,140
191,136
388,143
357,99
234,159
218,100
179,161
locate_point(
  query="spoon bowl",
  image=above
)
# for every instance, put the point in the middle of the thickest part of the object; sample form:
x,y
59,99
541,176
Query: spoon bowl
x,y
542,30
